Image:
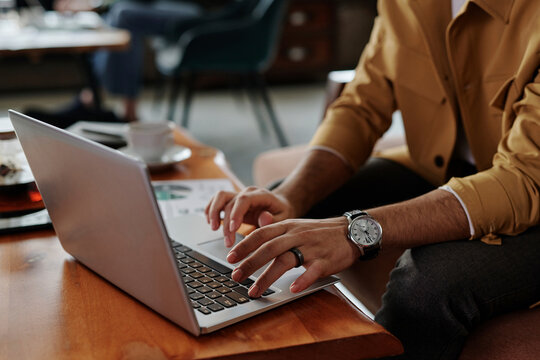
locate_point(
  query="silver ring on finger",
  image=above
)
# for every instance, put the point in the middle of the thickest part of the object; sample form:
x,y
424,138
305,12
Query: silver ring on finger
x,y
298,255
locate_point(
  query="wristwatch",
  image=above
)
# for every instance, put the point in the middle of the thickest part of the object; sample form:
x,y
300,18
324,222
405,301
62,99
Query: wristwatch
x,y
365,232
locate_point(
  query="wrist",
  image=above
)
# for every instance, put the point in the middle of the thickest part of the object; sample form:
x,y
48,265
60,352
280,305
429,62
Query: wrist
x,y
364,232
294,209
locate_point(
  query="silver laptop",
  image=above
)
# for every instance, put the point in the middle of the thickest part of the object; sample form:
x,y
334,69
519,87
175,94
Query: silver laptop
x,y
104,211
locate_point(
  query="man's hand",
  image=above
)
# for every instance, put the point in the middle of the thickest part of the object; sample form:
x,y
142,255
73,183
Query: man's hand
x,y
253,205
323,243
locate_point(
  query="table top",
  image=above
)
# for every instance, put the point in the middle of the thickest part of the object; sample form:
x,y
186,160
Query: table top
x,y
51,306
35,42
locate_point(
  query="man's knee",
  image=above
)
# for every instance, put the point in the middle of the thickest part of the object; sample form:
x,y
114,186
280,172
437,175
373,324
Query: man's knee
x,y
426,287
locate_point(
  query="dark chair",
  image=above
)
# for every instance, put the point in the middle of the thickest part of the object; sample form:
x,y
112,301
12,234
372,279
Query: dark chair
x,y
241,41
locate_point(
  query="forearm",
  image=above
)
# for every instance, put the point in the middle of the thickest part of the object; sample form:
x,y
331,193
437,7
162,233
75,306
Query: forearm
x,y
316,177
431,218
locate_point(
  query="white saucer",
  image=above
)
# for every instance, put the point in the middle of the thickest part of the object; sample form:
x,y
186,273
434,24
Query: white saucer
x,y
173,155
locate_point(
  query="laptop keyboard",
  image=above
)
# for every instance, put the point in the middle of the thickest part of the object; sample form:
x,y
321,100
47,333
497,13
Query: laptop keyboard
x,y
209,283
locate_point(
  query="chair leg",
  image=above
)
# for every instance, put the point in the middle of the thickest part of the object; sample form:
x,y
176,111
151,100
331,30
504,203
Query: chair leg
x,y
188,97
173,97
159,92
259,81
250,91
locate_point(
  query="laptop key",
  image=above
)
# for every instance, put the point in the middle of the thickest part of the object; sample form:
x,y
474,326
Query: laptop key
x,y
181,248
194,284
205,280
248,282
213,295
241,290
226,302
204,269
209,262
196,296
196,275
205,311
230,284
213,285
223,290
212,274
222,278
216,307
204,290
205,302
187,270
268,292
237,297
195,305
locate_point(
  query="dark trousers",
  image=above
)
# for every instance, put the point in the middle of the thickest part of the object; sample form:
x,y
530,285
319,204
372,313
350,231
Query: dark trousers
x,y
439,293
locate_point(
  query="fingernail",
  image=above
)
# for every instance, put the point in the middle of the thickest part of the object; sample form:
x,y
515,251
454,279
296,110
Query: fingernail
x,y
294,288
231,257
236,274
253,291
229,240
232,226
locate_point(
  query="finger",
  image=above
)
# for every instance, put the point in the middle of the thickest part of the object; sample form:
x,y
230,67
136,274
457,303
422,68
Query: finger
x,y
207,210
265,218
308,278
246,200
228,235
216,206
254,243
278,267
267,253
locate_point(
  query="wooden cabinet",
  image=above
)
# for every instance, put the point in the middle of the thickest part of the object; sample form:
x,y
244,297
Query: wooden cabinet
x,y
307,40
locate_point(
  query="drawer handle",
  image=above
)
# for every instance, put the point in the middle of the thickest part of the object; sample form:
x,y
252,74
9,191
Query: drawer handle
x,y
298,18
297,53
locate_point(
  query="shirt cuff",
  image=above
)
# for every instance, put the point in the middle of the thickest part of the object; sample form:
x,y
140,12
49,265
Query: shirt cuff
x,y
451,191
332,151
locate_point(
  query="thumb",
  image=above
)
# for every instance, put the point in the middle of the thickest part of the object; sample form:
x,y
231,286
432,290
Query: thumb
x,y
265,218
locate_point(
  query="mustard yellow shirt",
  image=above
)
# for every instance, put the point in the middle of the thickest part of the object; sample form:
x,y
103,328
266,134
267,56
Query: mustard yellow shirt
x,y
481,67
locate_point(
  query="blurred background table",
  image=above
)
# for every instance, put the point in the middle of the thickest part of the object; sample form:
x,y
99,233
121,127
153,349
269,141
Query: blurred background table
x,y
64,38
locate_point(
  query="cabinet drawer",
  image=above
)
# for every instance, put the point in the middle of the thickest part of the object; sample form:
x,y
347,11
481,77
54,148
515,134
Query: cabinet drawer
x,y
303,56
308,16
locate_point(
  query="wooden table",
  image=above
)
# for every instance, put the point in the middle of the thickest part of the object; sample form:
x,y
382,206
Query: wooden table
x,y
35,43
52,307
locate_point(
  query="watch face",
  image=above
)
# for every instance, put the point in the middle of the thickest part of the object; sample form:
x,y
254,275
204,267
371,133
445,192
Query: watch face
x,y
365,231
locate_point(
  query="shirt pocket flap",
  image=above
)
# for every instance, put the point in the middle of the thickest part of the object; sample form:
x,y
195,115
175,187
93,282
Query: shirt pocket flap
x,y
501,95
414,71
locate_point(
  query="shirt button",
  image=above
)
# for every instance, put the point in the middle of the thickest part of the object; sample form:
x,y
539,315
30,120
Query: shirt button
x,y
443,101
439,161
467,86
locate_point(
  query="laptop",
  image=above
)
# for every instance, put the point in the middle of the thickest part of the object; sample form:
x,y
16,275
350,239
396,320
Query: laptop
x,y
104,211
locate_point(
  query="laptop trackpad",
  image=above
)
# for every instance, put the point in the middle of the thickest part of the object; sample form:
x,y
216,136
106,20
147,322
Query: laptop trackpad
x,y
217,248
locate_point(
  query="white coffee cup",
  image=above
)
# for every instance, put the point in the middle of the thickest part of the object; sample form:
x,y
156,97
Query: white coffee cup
x,y
150,141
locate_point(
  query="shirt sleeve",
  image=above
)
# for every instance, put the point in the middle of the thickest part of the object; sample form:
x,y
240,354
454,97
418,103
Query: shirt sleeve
x,y
363,112
505,199
451,191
